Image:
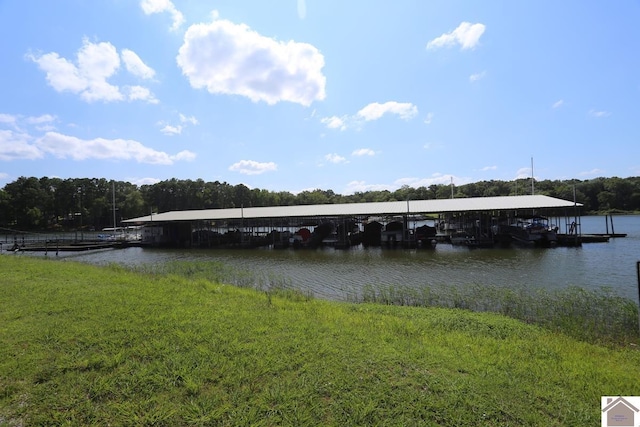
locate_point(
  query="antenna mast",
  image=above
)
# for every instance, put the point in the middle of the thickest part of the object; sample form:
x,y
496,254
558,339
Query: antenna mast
x,y
452,187
532,190
114,205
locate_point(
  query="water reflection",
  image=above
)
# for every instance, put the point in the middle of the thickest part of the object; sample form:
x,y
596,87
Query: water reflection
x,y
342,274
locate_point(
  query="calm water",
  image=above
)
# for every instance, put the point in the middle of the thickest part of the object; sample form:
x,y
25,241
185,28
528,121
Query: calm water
x,y
341,274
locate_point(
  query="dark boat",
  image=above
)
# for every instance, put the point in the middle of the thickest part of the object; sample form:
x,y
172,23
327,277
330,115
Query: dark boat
x,y
533,231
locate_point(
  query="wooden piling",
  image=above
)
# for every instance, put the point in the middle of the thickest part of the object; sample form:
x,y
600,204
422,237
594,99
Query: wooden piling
x,y
613,232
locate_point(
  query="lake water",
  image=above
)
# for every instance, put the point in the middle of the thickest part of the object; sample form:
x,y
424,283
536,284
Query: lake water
x,y
342,274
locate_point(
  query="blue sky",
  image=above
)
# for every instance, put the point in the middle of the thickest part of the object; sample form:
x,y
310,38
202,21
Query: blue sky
x,y
298,95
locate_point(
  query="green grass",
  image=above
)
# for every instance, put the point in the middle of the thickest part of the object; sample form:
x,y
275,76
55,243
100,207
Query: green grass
x,y
87,345
597,316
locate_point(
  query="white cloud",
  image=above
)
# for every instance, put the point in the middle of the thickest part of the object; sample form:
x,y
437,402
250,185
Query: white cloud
x,y
599,114
8,118
488,168
65,146
335,158
171,130
476,77
302,9
96,63
62,75
17,146
140,93
435,179
184,155
143,181
429,118
185,119
592,172
45,118
334,122
232,59
17,122
43,122
362,187
467,35
523,173
135,66
158,6
363,152
251,167
375,110
557,104
434,145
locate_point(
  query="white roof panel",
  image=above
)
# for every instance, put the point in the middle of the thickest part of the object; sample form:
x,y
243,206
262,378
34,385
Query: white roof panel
x,y
471,204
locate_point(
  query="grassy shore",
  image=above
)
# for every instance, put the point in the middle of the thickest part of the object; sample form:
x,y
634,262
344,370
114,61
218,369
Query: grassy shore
x,y
87,345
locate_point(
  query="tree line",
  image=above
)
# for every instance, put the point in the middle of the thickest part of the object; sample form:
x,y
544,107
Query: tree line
x,y
31,203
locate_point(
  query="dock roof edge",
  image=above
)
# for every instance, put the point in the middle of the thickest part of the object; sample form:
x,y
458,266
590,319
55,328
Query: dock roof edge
x,y
410,207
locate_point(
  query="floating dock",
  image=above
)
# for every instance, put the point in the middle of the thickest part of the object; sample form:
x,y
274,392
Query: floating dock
x,y
66,246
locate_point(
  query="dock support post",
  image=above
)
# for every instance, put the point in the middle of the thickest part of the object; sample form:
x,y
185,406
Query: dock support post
x,y
613,232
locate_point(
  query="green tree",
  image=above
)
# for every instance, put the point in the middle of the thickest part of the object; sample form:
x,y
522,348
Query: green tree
x,y
26,197
7,213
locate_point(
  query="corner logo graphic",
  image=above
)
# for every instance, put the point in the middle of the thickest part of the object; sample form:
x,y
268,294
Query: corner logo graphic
x,y
620,411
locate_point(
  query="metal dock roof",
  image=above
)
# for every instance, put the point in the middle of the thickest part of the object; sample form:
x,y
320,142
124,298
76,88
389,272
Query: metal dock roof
x,y
410,207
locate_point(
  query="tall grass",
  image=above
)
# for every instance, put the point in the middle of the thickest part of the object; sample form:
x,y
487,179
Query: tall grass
x,y
594,315
217,272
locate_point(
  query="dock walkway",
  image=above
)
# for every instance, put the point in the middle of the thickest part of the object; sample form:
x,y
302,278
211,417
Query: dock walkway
x,y
66,246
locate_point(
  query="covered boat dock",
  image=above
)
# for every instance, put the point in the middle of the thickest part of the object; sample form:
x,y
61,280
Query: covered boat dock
x,y
411,223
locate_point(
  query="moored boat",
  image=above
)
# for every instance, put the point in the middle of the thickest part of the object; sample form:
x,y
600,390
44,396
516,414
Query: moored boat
x,y
533,231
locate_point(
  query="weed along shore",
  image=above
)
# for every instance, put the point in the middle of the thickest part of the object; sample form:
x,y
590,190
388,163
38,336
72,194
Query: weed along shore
x,y
105,345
